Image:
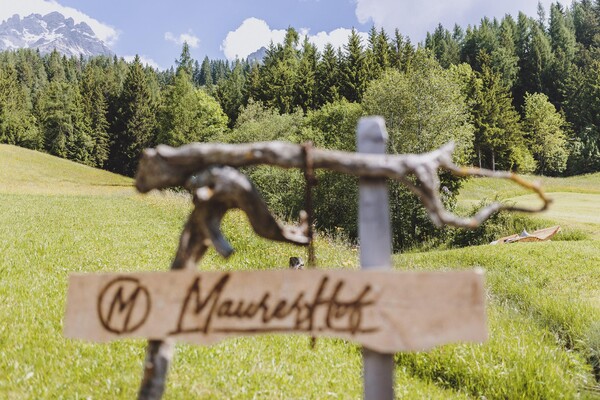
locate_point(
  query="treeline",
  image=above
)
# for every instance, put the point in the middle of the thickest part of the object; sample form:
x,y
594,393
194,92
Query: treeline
x,y
100,111
518,94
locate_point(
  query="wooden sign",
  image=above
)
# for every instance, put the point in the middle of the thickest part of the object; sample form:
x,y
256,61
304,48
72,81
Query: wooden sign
x,y
386,311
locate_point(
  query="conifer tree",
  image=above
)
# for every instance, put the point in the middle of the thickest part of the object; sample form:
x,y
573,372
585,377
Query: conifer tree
x,y
328,76
397,56
586,23
17,122
185,60
306,85
205,77
582,105
95,107
279,74
535,58
65,131
353,69
382,50
504,59
189,114
373,69
499,141
135,121
231,93
484,37
444,46
31,73
54,67
253,83
563,43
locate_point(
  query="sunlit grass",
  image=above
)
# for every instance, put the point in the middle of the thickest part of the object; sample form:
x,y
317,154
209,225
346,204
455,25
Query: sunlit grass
x,y
476,189
28,171
543,301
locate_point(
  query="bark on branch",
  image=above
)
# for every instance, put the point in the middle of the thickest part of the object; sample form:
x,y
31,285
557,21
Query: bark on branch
x,y
206,171
215,190
167,166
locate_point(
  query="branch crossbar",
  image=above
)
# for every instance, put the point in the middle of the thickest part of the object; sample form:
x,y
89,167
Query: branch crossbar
x,y
166,166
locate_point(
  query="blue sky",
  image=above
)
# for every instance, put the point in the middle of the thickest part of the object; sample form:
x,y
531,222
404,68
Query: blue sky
x,y
155,29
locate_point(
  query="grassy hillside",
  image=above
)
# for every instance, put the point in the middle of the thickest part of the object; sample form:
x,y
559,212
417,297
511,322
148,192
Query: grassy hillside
x,y
575,204
24,171
57,217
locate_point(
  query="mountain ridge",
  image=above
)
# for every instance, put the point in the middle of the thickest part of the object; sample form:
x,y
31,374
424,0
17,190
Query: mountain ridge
x,y
49,32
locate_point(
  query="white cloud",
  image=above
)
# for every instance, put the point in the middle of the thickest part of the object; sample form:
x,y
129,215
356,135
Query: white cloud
x,y
255,33
192,40
249,37
144,60
8,8
416,18
338,38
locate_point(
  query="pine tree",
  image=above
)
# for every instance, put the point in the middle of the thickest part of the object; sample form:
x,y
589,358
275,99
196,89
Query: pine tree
x,y
582,105
444,46
54,67
504,59
80,147
306,85
95,107
563,43
397,56
31,73
231,93
586,23
135,121
354,69
65,131
279,74
499,141
253,83
189,114
477,39
17,122
185,60
205,78
382,50
535,58
328,76
373,68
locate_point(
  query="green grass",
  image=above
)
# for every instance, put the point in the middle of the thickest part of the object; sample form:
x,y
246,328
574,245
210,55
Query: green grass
x,y
550,289
476,189
27,171
57,217
575,200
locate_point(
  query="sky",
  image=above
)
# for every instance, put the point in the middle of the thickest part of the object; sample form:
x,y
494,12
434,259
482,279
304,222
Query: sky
x,y
226,29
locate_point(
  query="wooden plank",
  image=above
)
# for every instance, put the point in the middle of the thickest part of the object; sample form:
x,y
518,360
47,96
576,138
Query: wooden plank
x,y
375,248
385,311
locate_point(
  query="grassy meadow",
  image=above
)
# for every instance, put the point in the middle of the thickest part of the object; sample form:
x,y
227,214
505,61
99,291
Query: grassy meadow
x,y
57,217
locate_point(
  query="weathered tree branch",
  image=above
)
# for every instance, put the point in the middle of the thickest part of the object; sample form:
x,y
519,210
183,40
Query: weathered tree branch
x,y
206,170
215,190
166,166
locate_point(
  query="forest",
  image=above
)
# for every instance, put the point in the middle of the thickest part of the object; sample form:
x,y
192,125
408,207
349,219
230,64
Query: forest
x,y
519,94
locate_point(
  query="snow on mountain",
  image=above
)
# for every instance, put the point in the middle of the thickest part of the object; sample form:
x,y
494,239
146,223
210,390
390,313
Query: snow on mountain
x,y
49,32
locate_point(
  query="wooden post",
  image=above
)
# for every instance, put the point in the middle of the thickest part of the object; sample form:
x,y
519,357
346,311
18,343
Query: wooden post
x,y
375,249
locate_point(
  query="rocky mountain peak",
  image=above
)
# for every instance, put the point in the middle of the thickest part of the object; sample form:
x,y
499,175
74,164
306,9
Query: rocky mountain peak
x,y
49,32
